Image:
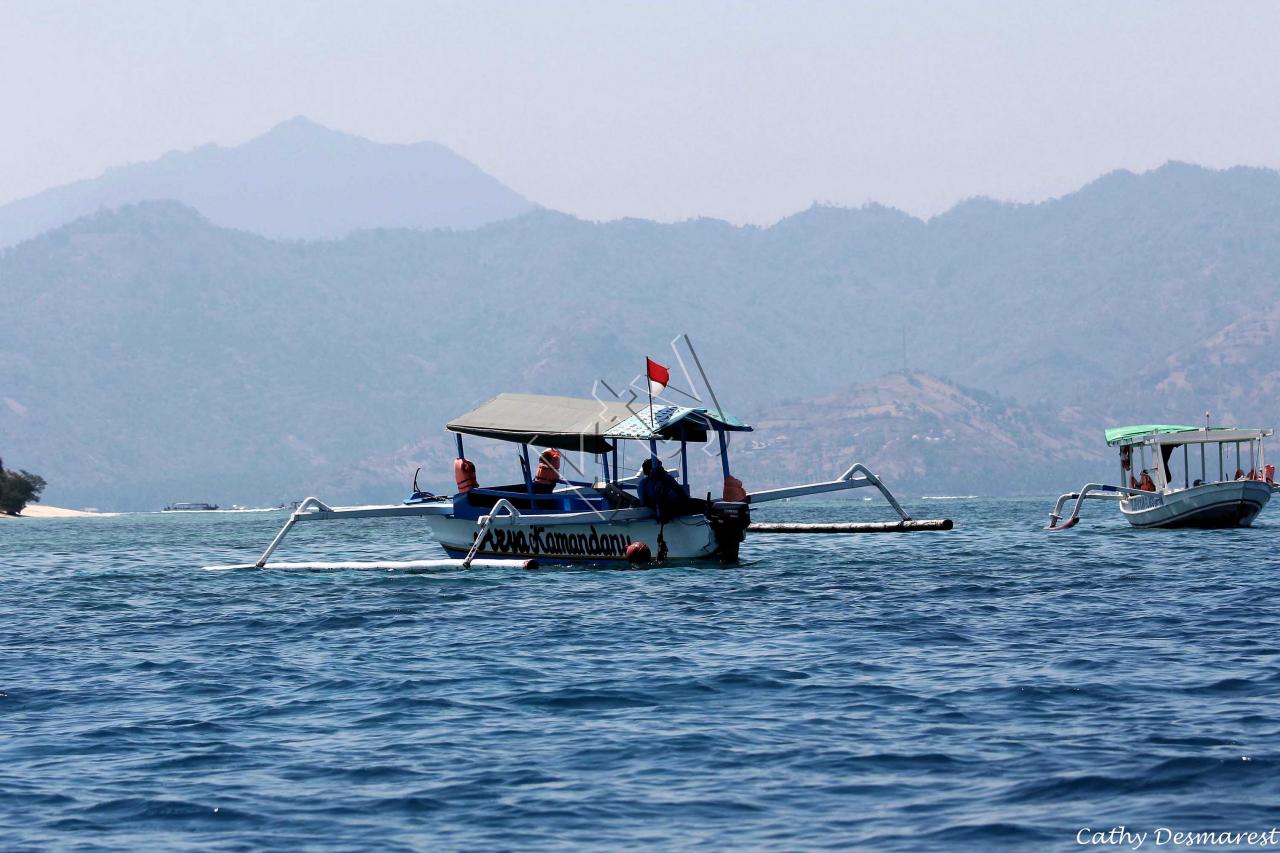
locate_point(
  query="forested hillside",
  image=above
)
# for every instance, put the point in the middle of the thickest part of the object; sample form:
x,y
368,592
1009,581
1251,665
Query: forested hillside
x,y
149,355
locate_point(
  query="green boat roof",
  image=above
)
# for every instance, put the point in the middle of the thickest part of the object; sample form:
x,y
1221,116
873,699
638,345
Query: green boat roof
x,y
1115,435
1133,434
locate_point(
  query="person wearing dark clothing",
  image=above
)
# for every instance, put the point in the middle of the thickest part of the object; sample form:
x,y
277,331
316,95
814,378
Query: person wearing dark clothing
x,y
663,493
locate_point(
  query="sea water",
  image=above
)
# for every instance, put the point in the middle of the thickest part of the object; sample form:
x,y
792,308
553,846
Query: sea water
x,y
991,687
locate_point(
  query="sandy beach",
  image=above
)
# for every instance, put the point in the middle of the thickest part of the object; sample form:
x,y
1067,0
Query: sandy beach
x,y
44,511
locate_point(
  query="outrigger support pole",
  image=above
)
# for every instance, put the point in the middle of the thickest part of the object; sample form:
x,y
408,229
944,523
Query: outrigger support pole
x,y
1090,492
314,509
485,522
856,477
913,526
306,505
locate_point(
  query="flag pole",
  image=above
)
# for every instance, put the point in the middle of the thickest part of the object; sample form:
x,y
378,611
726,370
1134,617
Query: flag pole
x,y
648,386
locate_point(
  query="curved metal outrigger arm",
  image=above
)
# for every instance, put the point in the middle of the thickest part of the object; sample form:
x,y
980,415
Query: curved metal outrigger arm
x,y
314,509
485,522
1090,492
856,477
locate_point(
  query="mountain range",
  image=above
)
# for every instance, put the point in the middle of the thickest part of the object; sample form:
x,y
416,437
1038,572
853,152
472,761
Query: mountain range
x,y
153,354
297,181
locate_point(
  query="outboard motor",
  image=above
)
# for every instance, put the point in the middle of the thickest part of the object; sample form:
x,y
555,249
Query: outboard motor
x,y
729,521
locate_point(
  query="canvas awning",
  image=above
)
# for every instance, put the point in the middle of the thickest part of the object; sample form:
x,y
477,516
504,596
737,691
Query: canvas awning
x,y
1121,435
676,422
1172,434
571,423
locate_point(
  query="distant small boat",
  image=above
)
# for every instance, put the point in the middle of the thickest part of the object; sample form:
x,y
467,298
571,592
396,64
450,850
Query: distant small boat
x,y
190,507
1217,498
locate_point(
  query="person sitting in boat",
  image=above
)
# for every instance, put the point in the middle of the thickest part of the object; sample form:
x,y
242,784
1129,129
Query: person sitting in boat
x,y
544,481
1145,483
1239,473
661,492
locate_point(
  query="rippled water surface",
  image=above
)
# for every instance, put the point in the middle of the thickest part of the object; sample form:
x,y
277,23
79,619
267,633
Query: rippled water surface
x,y
994,686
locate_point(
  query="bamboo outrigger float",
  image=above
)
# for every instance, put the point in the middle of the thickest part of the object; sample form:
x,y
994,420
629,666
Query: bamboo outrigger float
x,y
609,518
1216,498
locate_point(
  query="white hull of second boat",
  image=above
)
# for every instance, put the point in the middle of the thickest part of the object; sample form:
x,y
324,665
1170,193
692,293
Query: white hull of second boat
x,y
1229,504
576,537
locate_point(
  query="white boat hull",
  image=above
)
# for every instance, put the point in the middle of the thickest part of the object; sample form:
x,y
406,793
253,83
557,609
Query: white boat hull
x,y
576,537
1212,505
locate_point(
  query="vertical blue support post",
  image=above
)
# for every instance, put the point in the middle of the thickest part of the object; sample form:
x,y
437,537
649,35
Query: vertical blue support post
x,y
653,449
684,464
615,460
458,436
724,451
528,472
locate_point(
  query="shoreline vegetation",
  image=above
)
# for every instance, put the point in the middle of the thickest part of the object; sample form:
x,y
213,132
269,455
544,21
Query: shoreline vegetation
x,y
18,489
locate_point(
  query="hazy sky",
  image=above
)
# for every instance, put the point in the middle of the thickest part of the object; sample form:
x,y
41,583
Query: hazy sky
x,y
745,111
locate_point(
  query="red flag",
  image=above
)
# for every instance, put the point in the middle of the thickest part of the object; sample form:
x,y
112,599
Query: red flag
x,y
658,376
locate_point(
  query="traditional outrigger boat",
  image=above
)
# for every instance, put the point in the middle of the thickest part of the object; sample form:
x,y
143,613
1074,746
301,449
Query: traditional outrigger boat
x,y
1215,498
613,517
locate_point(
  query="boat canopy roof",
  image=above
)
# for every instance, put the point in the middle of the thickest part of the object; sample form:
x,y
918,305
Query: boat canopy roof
x,y
1173,434
572,423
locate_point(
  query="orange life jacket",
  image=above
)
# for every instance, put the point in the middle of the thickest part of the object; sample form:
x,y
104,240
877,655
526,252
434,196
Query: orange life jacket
x,y
548,468
733,490
464,473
